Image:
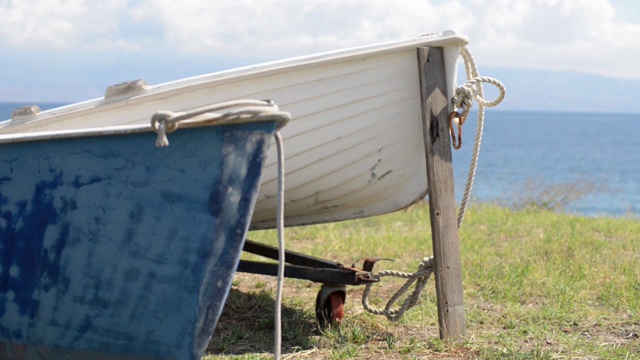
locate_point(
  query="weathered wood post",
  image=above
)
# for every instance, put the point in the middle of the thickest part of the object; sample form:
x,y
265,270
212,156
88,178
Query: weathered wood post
x,y
442,204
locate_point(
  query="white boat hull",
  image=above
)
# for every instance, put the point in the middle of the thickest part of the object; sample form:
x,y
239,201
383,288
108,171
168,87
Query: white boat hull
x,y
354,147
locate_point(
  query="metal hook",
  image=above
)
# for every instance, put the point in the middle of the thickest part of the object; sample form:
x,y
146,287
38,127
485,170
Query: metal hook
x,y
459,120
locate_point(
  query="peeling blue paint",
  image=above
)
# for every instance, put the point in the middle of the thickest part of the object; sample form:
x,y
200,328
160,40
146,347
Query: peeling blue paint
x,y
23,261
112,245
79,182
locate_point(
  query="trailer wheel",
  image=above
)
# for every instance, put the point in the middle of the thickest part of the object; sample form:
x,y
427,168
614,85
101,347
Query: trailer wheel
x,y
330,305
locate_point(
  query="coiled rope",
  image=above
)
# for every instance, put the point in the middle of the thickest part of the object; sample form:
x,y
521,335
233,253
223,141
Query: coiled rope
x,y
463,101
420,278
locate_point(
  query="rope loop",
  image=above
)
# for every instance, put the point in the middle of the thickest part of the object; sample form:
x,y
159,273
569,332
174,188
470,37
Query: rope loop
x,y
420,278
472,90
165,122
464,94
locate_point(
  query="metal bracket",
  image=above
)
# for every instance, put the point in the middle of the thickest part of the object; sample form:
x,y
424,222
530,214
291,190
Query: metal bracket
x,y
301,266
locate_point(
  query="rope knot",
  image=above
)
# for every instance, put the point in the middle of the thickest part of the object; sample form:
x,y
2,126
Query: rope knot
x,y
427,263
463,96
162,125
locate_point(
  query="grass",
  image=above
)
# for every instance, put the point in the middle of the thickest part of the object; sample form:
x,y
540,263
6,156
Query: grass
x,y
538,285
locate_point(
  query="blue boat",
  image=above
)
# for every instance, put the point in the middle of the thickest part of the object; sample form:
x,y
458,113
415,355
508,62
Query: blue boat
x,y
112,248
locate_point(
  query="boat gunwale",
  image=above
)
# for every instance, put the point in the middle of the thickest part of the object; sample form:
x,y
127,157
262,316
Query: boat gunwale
x,y
204,120
160,91
295,63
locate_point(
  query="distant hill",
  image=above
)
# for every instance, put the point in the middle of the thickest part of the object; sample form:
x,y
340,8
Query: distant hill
x,y
563,91
529,90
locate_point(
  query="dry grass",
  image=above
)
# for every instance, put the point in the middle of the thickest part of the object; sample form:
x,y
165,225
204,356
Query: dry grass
x,y
538,285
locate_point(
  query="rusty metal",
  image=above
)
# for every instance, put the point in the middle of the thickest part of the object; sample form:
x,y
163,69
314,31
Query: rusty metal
x,y
456,115
305,267
370,262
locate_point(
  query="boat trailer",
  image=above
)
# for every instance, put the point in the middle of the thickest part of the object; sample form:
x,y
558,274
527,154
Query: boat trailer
x,y
332,275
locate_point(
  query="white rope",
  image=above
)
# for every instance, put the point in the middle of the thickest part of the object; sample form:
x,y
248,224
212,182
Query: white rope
x,y
165,122
281,248
420,278
463,96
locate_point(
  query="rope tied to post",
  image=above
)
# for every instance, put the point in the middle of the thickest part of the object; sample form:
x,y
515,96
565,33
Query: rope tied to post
x,y
462,102
420,278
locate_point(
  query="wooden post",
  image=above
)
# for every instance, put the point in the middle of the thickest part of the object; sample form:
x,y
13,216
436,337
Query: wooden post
x,y
442,204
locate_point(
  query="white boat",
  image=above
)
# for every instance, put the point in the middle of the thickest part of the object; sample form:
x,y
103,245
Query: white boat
x,y
353,148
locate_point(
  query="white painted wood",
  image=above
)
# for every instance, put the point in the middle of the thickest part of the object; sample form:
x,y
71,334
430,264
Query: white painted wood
x,y
353,148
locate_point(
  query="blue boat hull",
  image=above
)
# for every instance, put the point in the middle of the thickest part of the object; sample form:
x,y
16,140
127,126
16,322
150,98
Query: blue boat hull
x,y
111,248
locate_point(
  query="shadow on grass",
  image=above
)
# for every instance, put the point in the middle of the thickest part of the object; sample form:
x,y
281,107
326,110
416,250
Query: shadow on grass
x,y
246,325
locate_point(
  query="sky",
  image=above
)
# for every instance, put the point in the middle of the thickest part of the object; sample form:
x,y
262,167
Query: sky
x,y
555,55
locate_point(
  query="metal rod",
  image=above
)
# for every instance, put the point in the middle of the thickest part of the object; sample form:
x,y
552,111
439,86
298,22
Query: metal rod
x,y
291,257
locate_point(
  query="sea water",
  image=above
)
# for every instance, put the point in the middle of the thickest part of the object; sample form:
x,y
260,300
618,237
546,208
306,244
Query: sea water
x,y
595,157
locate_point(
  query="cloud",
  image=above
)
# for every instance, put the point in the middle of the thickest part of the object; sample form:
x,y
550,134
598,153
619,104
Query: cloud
x,y
63,24
288,26
584,36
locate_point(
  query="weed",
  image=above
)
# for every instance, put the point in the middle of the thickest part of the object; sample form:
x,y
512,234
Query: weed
x,y
535,194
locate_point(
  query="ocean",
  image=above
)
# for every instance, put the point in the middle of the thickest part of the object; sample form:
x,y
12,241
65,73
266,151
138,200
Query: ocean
x,y
591,160
587,162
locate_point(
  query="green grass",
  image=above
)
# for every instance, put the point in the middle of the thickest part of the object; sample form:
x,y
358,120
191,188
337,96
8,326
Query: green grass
x,y
538,285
